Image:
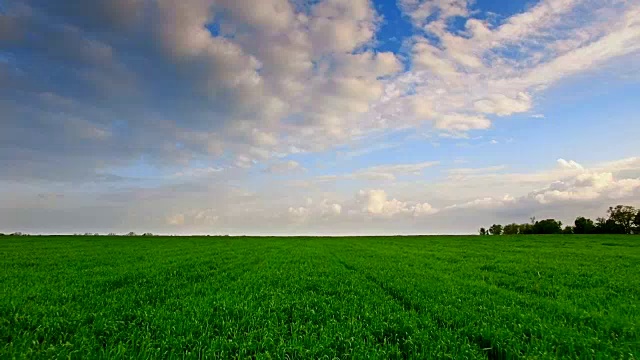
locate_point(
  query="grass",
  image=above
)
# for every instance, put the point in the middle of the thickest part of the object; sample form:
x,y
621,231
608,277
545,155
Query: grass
x,y
439,297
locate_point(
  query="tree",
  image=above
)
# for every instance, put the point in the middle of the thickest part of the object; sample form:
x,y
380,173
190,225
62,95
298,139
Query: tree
x,y
600,225
623,216
495,229
526,229
511,229
131,234
608,226
567,230
547,226
611,227
583,226
483,231
636,222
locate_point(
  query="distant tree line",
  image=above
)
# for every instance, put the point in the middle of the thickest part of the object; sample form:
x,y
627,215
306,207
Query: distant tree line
x,y
622,219
18,233
131,233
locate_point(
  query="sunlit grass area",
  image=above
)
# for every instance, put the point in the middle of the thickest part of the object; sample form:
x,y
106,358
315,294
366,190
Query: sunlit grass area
x,y
377,297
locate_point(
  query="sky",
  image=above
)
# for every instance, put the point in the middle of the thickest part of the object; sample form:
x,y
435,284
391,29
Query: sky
x,y
315,117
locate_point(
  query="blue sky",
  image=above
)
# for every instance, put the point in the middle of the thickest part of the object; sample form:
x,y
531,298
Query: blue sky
x,y
321,117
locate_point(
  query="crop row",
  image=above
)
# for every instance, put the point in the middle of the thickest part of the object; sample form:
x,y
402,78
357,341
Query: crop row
x,y
387,298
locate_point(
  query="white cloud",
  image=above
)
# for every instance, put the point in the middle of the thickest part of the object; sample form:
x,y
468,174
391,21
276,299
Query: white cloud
x,y
270,16
324,209
198,172
502,105
572,165
329,208
536,20
383,172
299,212
206,217
472,197
175,219
284,166
391,172
420,10
485,203
85,129
277,77
341,25
375,202
624,38
423,209
569,183
472,171
232,91
587,186
462,122
469,76
632,163
428,57
243,161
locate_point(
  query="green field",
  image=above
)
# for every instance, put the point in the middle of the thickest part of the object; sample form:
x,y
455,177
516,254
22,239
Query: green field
x,y
349,298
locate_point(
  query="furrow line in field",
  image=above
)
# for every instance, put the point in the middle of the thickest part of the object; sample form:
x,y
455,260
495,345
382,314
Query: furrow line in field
x,y
482,344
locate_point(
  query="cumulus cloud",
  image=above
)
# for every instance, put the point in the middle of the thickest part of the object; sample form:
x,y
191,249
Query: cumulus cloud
x,y
462,122
376,202
176,219
502,105
498,69
586,187
234,89
190,218
572,165
299,212
329,208
472,197
572,183
421,10
323,210
244,82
